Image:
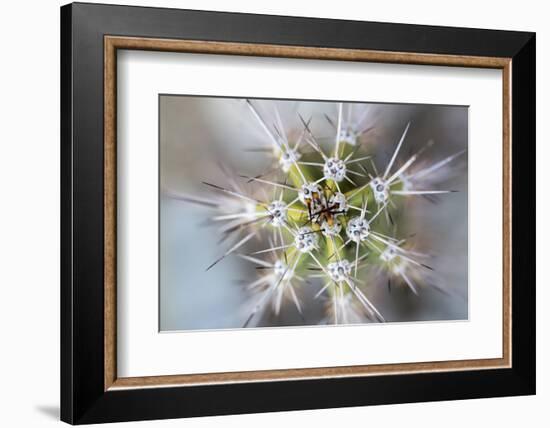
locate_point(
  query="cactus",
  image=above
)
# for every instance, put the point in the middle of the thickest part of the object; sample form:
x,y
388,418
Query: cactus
x,y
328,214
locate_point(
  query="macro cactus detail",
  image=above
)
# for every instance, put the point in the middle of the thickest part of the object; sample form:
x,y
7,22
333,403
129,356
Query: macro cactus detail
x,y
326,215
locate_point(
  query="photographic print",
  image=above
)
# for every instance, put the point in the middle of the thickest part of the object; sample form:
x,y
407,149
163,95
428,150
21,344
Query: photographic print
x,y
299,209
282,213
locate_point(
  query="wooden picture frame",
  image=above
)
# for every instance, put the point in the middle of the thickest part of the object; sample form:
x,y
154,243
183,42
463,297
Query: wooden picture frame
x,y
91,390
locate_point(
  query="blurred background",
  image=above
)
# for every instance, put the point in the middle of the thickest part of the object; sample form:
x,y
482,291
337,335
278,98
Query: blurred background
x,y
201,136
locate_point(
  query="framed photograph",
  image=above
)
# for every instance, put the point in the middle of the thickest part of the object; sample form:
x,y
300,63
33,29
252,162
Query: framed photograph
x,y
265,213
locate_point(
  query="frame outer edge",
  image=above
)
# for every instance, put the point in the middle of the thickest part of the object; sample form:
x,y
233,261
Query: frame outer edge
x,y
523,220
66,182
